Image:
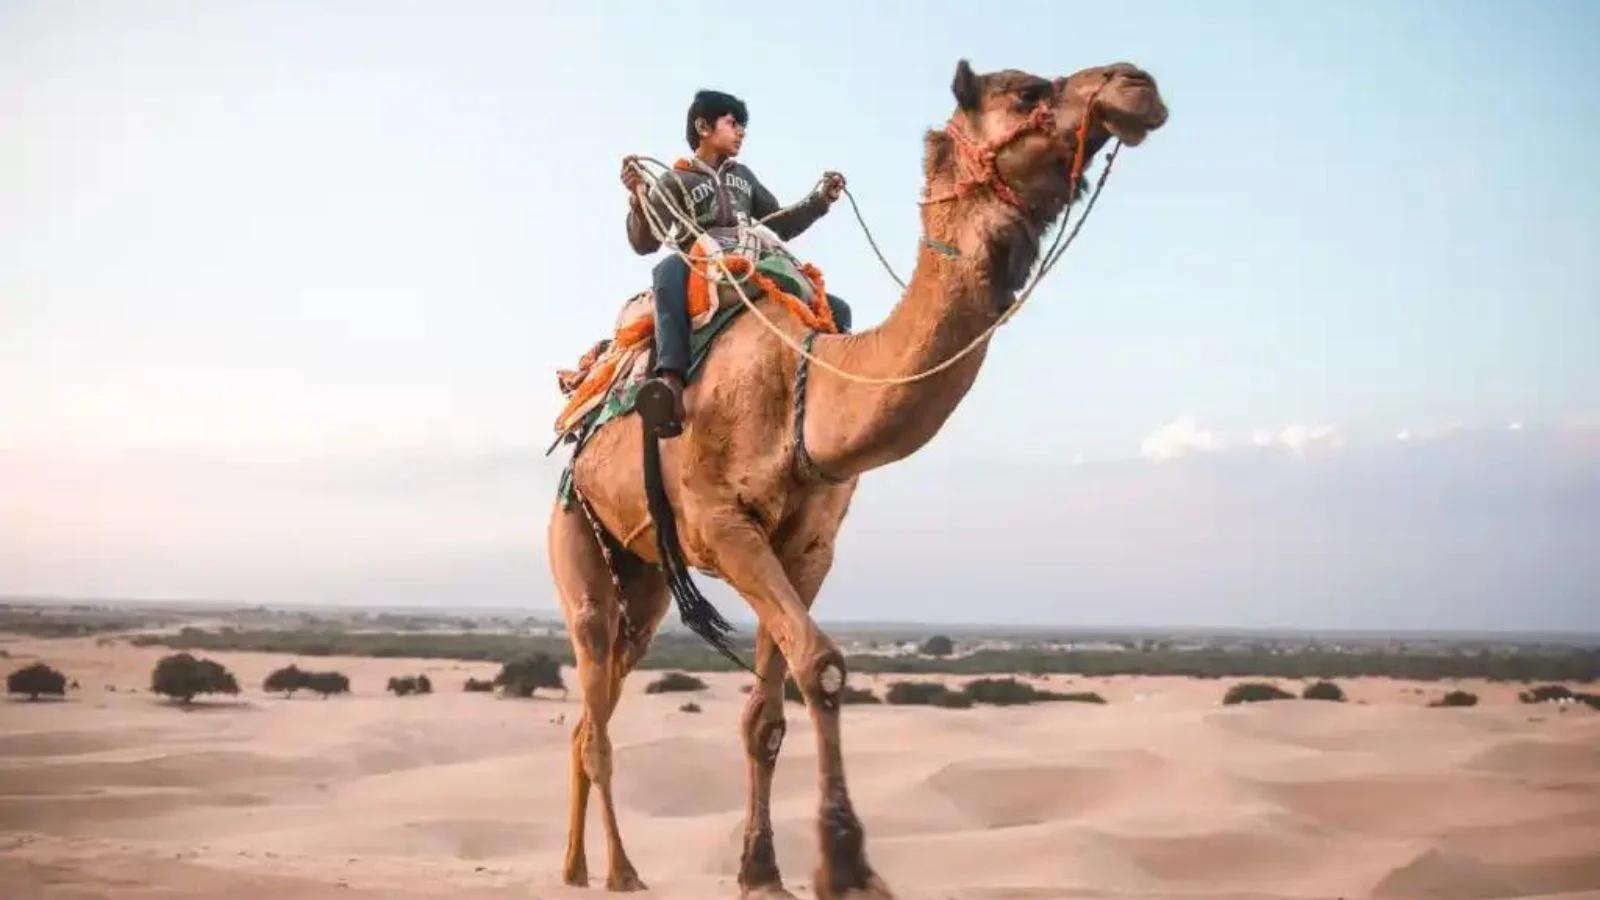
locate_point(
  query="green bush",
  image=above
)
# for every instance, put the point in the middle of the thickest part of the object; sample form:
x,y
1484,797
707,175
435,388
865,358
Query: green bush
x,y
286,680
1080,697
675,683
1001,691
1456,698
1546,693
938,645
1011,692
407,685
520,678
327,683
926,693
475,686
853,695
35,680
849,696
293,678
689,708
182,677
1255,692
1323,690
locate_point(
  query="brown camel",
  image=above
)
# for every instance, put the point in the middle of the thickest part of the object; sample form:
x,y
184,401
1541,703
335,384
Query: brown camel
x,y
749,513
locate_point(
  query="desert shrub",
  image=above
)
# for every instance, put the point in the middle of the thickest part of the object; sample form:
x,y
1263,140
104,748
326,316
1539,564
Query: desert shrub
x,y
938,645
1546,693
407,685
850,695
286,680
854,695
689,708
476,686
925,693
1323,690
1255,692
1002,691
675,683
182,677
1590,700
1011,692
326,683
1456,698
520,678
1078,697
35,680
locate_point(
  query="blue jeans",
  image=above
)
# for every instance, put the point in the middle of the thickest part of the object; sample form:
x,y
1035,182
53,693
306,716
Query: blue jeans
x,y
672,315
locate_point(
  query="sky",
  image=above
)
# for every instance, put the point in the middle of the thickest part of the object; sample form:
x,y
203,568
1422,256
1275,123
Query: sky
x,y
283,287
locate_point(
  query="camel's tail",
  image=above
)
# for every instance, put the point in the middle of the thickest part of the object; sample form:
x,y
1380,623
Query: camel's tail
x,y
693,608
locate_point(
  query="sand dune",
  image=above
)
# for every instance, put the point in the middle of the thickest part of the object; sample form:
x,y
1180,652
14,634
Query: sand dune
x,y
1161,793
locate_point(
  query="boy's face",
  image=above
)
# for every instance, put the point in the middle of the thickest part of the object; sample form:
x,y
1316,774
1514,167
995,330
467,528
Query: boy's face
x,y
725,137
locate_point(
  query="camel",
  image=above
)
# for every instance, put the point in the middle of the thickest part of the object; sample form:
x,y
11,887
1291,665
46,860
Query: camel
x,y
758,499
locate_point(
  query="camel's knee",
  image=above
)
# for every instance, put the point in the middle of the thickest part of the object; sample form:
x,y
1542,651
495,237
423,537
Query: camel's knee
x,y
594,748
591,627
822,676
764,727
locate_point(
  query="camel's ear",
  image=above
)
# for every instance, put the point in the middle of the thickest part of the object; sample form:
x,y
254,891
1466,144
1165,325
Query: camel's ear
x,y
965,86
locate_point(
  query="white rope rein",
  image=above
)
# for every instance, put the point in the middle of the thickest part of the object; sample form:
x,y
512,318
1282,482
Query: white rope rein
x,y
662,231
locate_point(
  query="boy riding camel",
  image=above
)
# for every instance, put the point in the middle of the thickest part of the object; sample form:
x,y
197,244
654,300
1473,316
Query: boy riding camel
x,y
722,194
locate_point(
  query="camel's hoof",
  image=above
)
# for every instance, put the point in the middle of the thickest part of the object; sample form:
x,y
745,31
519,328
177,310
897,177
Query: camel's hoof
x,y
875,890
576,875
625,881
767,892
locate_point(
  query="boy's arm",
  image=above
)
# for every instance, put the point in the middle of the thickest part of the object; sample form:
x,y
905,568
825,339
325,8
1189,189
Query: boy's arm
x,y
639,235
792,222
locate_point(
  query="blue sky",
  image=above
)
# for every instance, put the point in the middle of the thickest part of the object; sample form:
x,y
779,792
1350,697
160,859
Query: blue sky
x,y
282,287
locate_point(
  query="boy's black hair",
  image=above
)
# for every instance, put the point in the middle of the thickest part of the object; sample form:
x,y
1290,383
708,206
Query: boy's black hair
x,y
711,106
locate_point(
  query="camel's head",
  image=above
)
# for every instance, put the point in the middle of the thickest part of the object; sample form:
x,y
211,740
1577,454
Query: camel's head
x,y
1031,124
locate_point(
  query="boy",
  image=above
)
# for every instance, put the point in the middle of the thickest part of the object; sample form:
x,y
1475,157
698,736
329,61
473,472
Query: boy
x,y
721,192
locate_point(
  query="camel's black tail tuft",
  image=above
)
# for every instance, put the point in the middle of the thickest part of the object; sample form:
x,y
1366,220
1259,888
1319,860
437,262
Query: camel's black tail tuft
x,y
693,608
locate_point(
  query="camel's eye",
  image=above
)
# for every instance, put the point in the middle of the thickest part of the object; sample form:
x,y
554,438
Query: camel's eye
x,y
1032,94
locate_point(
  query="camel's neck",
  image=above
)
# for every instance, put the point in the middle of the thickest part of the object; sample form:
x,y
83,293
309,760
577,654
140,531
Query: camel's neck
x,y
948,304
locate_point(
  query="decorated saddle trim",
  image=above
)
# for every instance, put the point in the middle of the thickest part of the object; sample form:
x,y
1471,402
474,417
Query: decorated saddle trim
x,y
609,373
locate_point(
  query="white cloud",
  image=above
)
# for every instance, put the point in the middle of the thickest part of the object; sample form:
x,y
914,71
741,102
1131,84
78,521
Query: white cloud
x,y
1434,432
1178,439
1300,439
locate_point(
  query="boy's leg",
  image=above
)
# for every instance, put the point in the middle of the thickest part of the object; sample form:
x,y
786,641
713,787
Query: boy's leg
x,y
672,316
660,400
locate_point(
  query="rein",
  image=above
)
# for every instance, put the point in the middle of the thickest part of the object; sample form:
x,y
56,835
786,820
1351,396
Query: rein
x,y
984,157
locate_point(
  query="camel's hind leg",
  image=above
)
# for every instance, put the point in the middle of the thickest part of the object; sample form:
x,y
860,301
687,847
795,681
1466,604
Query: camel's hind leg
x,y
605,655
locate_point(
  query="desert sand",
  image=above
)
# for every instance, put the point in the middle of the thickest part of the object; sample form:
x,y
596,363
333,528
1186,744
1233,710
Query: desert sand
x,y
1160,793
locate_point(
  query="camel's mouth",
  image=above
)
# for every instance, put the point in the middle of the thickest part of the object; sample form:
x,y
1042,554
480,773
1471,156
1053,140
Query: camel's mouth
x,y
1132,107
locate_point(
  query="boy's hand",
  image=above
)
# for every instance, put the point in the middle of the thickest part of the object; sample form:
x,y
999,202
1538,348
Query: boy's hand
x,y
832,186
631,179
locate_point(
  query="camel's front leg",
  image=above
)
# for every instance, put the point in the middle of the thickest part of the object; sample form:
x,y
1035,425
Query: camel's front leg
x,y
748,563
763,728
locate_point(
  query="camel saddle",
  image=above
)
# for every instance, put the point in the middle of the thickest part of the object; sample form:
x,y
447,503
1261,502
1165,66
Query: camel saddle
x,y
605,383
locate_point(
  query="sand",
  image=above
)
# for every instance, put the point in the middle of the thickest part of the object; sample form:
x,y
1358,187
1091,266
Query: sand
x,y
1161,793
